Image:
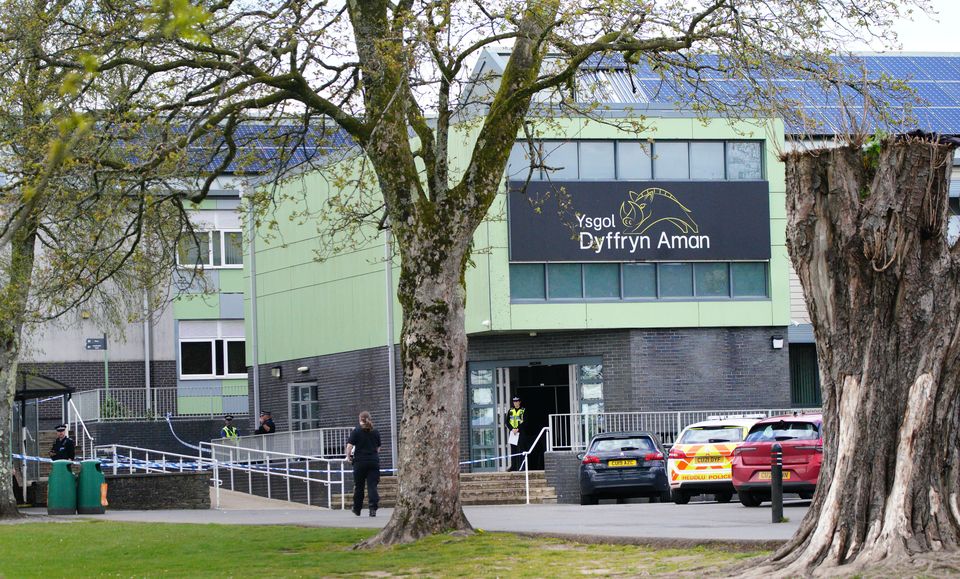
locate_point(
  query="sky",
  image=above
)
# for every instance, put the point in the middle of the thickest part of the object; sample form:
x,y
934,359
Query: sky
x,y
932,33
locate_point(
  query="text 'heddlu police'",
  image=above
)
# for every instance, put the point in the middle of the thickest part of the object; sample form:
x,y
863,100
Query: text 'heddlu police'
x,y
615,240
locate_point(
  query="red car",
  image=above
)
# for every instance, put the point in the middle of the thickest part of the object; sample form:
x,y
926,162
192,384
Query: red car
x,y
800,437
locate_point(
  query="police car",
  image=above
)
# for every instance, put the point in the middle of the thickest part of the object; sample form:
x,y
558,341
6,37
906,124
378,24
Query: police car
x,y
699,460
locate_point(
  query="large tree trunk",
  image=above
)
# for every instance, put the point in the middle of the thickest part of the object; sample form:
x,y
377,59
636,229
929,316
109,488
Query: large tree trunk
x,y
13,303
867,235
433,354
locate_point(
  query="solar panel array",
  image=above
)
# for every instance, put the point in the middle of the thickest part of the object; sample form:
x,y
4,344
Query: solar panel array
x,y
932,103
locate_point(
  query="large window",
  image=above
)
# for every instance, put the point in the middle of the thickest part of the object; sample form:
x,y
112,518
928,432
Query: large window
x,y
212,349
218,248
667,160
565,282
304,406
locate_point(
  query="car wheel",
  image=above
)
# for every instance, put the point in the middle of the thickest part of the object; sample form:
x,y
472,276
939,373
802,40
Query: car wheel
x,y
748,499
806,495
680,497
588,500
723,497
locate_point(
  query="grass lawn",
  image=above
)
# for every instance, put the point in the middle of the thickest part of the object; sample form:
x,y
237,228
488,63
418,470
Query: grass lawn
x,y
144,550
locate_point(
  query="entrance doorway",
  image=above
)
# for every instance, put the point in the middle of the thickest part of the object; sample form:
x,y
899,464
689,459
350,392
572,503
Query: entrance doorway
x,y
543,390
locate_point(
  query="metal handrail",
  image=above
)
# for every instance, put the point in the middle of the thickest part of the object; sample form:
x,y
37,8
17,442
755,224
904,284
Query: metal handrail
x,y
315,442
266,458
86,450
526,455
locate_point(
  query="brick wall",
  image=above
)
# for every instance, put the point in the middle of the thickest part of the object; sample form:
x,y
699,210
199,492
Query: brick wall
x,y
156,435
158,491
89,375
562,470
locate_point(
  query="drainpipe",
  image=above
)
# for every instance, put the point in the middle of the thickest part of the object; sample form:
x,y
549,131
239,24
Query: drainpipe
x,y
246,193
146,349
391,363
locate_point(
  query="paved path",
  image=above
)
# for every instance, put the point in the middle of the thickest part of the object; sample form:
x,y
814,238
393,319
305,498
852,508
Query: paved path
x,y
695,521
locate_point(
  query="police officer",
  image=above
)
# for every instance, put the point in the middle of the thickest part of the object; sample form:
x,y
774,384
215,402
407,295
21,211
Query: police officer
x,y
515,427
229,431
266,423
63,447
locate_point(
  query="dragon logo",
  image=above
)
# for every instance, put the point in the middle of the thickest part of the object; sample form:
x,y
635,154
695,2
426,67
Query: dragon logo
x,y
654,205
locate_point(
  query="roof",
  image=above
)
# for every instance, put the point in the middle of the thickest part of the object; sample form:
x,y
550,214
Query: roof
x,y
31,386
723,422
934,77
801,417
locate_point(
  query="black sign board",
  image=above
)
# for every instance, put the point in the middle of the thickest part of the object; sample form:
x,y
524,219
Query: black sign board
x,y
97,343
579,221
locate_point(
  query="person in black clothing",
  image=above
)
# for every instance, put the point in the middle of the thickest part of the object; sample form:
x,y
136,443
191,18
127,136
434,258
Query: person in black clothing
x,y
63,447
266,423
363,450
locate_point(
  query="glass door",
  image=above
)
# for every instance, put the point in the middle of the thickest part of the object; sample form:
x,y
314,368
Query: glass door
x,y
483,419
586,402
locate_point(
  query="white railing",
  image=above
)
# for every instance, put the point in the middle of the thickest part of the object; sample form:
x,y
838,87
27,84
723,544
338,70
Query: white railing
x,y
103,404
317,442
250,469
574,431
76,426
255,470
525,465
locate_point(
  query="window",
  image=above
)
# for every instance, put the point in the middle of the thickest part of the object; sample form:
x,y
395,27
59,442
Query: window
x,y
671,160
637,281
601,280
633,161
712,434
565,281
589,160
706,161
304,407
597,160
211,349
218,248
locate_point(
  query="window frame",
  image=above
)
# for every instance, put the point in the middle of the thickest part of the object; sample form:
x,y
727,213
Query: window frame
x,y
209,264
296,423
213,359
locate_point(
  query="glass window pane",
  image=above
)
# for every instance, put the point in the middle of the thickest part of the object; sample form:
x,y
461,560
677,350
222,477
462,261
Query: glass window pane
x,y
670,161
706,161
526,281
560,160
196,358
483,396
591,391
218,357
518,165
314,410
295,410
602,280
236,358
232,248
590,373
217,257
713,279
194,251
749,279
676,280
744,161
633,161
596,160
482,417
639,280
564,281
484,437
481,377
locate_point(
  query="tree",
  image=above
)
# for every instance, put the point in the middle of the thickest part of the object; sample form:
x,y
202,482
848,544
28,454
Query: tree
x,y
376,69
867,234
74,216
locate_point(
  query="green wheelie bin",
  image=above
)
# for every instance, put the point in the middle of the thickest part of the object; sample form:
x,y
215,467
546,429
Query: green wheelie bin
x,y
62,489
91,497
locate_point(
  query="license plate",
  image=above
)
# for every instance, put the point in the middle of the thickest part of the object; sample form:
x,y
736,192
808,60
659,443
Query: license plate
x,y
709,459
765,475
629,462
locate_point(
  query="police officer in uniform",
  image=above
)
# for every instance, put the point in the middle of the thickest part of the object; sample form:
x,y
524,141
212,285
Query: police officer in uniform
x,y
229,431
266,423
63,447
515,426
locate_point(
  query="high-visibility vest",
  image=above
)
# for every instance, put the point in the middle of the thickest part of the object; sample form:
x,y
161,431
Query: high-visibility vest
x,y
231,432
516,417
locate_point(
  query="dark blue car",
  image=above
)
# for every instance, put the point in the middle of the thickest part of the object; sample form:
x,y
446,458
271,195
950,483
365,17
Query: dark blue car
x,y
623,465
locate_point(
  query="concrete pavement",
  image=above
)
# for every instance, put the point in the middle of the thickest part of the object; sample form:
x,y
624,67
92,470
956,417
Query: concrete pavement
x,y
638,522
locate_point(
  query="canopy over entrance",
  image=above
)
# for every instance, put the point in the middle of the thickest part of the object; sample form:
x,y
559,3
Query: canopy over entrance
x,y
31,386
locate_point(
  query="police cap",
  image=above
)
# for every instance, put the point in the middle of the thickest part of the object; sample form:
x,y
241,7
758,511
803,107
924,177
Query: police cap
x,y
61,427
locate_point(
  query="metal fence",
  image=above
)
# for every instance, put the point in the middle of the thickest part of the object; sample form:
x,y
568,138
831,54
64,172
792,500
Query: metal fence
x,y
574,431
317,442
138,404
